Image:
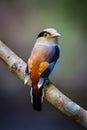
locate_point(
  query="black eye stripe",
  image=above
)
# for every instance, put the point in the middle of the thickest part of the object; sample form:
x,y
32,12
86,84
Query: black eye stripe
x,y
42,34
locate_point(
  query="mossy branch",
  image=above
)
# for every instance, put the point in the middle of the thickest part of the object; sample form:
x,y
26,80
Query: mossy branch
x,y
52,94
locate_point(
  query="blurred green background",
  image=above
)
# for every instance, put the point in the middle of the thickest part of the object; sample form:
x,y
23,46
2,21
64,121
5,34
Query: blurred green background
x,y
20,22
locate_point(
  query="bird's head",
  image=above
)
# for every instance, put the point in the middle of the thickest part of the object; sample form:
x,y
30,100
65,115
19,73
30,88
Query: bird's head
x,y
49,33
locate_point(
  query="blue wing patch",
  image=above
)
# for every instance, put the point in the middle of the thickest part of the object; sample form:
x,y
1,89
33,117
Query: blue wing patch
x,y
51,66
49,69
26,70
27,77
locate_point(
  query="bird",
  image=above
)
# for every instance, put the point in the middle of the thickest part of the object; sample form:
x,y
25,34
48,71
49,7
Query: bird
x,y
41,62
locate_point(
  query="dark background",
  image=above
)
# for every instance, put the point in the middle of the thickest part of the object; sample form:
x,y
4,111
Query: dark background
x,y
20,22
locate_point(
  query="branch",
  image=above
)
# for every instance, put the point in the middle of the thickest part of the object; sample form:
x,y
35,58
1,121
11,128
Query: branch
x,y
52,94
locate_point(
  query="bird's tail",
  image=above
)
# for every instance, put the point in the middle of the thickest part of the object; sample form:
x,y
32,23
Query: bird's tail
x,y
37,99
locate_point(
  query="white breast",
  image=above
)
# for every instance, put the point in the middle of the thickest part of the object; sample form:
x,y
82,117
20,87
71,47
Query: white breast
x,y
45,42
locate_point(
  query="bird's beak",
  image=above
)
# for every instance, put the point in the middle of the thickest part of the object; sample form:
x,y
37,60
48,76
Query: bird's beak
x,y
56,35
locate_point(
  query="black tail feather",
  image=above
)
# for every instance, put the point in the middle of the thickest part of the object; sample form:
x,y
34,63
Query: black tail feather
x,y
37,104
37,99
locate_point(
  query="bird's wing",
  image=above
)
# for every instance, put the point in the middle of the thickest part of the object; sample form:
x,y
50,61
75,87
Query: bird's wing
x,y
26,73
26,69
45,70
42,67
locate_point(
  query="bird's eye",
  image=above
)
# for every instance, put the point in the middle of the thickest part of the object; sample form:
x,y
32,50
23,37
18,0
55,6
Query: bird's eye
x,y
45,35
